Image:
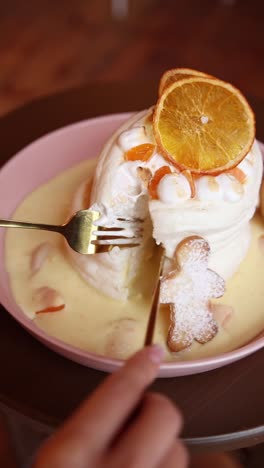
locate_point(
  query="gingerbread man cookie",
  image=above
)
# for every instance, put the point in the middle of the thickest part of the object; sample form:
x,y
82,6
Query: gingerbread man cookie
x,y
188,289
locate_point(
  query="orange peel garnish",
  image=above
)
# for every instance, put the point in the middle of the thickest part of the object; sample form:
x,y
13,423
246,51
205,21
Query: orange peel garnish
x,y
190,179
204,125
239,175
140,153
155,180
51,309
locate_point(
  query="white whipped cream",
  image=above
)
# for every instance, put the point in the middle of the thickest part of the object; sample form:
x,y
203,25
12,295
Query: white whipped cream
x,y
222,217
132,137
220,211
173,189
223,187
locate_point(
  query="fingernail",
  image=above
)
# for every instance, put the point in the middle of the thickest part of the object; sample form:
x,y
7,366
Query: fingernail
x,y
156,353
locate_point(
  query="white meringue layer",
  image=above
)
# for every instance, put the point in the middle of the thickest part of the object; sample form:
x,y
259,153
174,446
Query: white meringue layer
x,y
220,212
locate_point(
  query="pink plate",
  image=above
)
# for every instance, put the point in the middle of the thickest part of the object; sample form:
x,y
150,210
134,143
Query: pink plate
x,y
35,165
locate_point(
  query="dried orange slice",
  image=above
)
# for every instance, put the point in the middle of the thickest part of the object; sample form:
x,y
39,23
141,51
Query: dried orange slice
x,y
176,74
204,125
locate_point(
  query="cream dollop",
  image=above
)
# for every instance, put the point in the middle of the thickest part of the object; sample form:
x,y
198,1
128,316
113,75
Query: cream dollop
x,y
232,189
208,188
173,189
133,137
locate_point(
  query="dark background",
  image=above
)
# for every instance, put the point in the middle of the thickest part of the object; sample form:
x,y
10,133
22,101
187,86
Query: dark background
x,y
47,45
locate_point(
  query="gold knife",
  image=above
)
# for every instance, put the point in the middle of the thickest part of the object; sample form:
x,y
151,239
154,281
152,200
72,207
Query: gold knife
x,y
154,302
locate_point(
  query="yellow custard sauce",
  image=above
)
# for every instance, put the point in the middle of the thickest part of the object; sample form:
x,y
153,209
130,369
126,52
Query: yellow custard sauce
x,y
96,323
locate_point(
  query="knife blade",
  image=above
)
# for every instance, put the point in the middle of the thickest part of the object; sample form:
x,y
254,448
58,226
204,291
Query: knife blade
x,y
155,302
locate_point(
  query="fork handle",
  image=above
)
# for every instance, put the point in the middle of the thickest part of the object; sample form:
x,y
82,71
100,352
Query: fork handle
x,y
20,224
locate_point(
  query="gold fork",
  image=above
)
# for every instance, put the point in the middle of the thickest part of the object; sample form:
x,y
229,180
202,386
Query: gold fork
x,y
84,236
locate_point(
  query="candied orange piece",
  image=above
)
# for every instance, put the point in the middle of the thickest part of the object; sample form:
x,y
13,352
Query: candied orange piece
x,y
51,309
153,185
190,179
140,153
238,174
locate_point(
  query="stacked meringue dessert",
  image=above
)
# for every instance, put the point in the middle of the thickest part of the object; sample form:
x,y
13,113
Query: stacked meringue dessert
x,y
190,169
188,172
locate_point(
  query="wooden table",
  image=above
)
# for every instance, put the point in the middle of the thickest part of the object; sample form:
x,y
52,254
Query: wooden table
x,y
223,409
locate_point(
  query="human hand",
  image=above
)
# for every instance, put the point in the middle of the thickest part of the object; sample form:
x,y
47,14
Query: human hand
x,y
120,426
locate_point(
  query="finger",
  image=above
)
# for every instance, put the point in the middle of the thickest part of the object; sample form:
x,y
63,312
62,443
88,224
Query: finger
x,y
111,404
150,436
177,457
95,424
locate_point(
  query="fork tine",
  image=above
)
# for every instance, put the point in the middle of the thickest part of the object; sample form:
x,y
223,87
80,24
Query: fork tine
x,y
120,224
122,227
131,220
118,241
122,232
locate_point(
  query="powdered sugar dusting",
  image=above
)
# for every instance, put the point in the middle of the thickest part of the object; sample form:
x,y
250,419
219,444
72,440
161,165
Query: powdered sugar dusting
x,y
189,289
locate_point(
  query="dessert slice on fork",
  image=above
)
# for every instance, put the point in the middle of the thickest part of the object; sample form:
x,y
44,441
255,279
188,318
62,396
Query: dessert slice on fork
x,y
84,232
